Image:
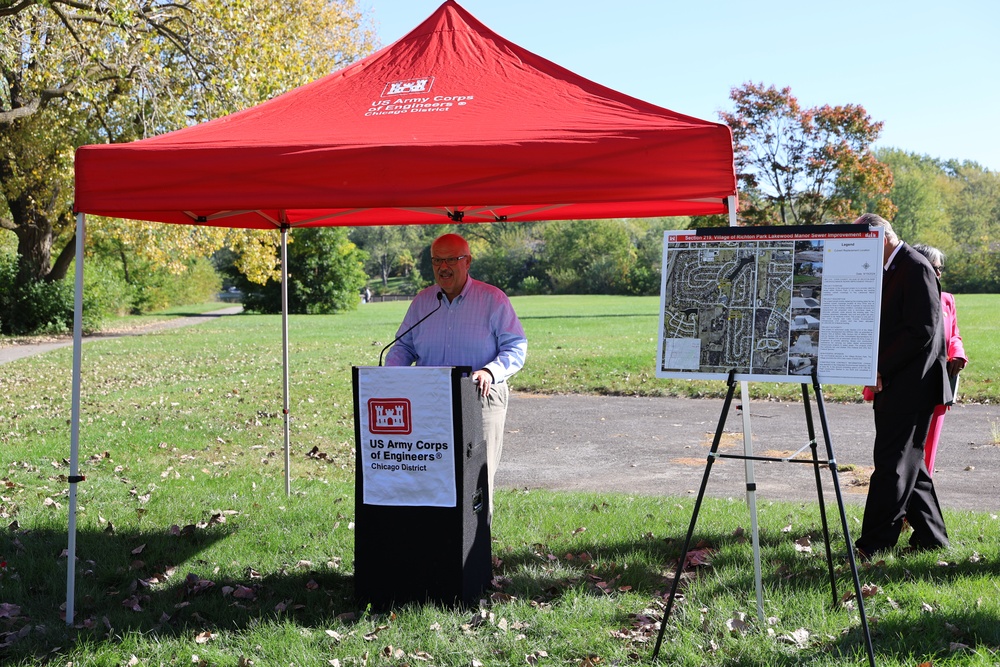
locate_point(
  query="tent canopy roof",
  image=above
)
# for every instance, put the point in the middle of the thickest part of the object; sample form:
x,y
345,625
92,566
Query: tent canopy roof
x,y
451,122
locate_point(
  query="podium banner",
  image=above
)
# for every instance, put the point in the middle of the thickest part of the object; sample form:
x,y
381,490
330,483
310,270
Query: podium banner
x,y
407,439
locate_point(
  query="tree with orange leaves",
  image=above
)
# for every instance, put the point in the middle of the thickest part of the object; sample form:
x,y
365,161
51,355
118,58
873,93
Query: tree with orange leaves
x,y
804,166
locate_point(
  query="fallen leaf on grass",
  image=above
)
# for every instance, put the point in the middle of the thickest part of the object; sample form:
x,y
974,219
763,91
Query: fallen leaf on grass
x,y
393,653
799,638
737,625
204,637
195,584
532,658
244,593
133,602
697,557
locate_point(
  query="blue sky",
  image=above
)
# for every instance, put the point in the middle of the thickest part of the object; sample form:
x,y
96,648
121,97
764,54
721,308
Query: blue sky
x,y
929,70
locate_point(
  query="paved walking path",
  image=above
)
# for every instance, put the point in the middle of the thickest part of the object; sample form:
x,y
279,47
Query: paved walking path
x,y
13,351
659,446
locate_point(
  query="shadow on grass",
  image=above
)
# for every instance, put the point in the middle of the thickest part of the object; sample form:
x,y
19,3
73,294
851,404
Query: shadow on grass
x,y
547,573
128,580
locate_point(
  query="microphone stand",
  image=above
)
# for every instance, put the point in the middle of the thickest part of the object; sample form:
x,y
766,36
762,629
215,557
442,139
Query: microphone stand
x,y
440,296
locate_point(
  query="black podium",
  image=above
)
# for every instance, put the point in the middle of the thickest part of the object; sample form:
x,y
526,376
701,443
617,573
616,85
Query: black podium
x,y
421,528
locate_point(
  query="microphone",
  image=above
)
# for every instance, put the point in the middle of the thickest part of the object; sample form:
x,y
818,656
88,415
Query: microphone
x,y
440,296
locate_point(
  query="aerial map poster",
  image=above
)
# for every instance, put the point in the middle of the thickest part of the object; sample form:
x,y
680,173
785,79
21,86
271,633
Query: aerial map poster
x,y
771,303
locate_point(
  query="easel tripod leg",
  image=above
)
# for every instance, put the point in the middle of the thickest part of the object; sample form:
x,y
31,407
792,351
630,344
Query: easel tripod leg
x,y
694,514
843,520
819,491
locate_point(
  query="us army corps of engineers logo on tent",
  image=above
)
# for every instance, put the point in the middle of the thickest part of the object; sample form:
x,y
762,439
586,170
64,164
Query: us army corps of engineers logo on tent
x,y
408,87
413,96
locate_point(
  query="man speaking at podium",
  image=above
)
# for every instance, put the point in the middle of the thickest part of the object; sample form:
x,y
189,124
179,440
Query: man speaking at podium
x,y
477,327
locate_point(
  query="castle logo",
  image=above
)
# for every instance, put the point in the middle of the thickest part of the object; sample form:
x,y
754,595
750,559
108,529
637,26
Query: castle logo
x,y
408,87
390,415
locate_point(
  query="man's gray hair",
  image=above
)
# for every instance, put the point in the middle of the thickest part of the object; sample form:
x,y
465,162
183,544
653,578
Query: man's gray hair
x,y
875,220
933,255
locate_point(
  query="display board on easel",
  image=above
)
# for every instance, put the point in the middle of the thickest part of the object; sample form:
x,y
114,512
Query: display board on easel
x,y
773,303
777,304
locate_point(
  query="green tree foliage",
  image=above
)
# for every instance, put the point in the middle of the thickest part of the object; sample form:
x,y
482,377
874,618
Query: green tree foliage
x,y
325,275
388,248
920,191
97,71
803,165
505,254
974,210
588,256
953,206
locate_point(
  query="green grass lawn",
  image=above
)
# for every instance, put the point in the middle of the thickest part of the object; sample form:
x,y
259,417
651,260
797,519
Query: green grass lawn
x,y
189,552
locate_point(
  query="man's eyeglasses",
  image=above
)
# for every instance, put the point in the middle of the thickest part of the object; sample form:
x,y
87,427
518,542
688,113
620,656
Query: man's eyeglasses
x,y
938,268
450,261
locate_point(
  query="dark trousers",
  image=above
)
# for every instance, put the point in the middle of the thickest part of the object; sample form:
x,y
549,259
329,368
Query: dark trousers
x,y
901,486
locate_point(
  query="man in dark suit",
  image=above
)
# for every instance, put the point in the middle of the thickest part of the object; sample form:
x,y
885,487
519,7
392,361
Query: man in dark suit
x,y
912,379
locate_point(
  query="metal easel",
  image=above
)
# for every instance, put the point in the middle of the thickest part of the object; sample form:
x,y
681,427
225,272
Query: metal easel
x,y
751,488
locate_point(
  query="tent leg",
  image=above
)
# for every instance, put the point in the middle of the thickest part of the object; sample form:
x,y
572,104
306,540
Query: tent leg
x,y
74,436
284,352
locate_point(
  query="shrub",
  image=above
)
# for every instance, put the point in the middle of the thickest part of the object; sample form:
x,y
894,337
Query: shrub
x,y
105,293
531,286
156,289
325,275
36,307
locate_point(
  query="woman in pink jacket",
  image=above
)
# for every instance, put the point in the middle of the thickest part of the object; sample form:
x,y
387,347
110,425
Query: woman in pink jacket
x,y
956,353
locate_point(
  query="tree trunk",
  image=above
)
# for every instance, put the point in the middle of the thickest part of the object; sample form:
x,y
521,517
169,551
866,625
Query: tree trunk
x,y
34,241
34,229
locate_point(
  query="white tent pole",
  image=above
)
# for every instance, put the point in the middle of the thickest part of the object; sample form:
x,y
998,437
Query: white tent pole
x,y
284,350
74,437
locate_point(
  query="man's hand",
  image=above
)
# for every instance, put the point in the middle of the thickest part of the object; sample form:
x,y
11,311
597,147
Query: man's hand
x,y
878,384
483,380
955,366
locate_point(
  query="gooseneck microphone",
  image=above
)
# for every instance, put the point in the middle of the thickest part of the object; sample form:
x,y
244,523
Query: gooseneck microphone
x,y
440,296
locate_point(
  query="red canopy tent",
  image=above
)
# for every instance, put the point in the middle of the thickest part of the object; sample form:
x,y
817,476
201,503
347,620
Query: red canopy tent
x,y
450,120
450,123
